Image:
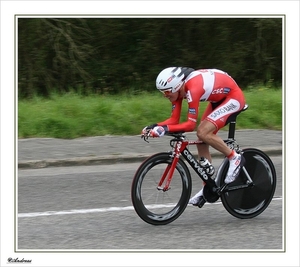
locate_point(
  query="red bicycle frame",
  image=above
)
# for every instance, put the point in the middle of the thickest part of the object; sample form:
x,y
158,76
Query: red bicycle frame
x,y
180,148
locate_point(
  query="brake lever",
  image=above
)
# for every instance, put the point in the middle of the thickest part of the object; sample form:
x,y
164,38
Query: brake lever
x,y
145,137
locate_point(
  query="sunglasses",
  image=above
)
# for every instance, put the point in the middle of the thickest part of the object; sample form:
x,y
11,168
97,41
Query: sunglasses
x,y
166,92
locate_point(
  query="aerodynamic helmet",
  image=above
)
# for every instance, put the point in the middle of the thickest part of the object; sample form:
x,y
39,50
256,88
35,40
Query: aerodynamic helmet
x,y
172,78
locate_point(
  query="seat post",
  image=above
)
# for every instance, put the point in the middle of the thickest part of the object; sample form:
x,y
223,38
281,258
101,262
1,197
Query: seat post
x,y
232,122
231,131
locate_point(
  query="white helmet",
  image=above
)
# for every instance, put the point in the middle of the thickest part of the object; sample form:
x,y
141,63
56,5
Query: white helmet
x,y
171,78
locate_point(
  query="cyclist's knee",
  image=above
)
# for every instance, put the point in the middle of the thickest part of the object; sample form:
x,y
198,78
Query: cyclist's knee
x,y
200,134
204,130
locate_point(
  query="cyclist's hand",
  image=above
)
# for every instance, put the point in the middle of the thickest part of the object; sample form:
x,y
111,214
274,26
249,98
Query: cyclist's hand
x,y
147,129
158,131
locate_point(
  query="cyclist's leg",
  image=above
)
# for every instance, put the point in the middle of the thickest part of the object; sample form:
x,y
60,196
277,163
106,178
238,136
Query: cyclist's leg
x,y
220,116
203,151
214,118
207,133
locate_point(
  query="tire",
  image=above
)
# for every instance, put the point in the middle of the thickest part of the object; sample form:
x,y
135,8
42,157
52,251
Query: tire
x,y
251,201
158,207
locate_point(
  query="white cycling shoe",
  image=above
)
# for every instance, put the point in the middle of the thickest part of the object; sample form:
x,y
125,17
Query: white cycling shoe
x,y
235,166
198,199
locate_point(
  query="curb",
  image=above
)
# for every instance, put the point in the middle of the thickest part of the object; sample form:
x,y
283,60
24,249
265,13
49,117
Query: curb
x,y
89,161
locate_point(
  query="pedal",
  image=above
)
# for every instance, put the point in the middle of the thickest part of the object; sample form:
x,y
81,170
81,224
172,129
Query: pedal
x,y
201,202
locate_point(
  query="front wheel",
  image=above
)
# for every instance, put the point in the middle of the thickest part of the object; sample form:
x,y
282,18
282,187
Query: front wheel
x,y
152,204
248,202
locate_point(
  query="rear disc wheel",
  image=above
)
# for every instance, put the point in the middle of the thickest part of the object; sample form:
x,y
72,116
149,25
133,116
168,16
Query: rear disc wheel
x,y
251,201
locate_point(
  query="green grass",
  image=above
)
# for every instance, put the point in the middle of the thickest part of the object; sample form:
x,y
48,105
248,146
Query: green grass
x,y
72,116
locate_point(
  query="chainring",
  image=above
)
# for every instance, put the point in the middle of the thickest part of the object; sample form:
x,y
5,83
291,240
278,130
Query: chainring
x,y
209,195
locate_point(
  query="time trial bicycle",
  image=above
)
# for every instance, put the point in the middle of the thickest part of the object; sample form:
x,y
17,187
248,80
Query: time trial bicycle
x,y
162,185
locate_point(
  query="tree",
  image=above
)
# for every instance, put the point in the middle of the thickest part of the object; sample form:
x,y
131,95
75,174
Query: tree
x,y
110,55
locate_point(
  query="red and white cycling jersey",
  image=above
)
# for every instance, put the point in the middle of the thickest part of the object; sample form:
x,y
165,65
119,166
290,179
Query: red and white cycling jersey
x,y
214,86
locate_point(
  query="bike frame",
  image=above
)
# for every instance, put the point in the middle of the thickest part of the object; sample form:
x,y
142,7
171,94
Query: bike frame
x,y
180,148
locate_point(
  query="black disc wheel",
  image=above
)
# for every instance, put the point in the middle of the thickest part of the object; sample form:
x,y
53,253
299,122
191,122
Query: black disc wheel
x,y
247,202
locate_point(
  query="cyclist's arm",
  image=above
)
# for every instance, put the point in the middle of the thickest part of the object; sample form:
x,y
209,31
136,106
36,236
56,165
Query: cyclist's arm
x,y
175,115
190,124
173,122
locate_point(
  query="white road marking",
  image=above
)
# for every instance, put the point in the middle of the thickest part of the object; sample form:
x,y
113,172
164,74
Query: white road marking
x,y
84,211
67,212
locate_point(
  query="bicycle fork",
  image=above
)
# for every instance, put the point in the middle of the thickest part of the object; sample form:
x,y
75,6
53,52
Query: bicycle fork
x,y
169,171
180,149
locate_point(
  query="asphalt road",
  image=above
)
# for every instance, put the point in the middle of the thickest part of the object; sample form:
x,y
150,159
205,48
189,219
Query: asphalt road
x,y
89,208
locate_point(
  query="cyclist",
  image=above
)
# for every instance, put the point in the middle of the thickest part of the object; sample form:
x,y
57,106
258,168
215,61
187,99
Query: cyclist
x,y
225,98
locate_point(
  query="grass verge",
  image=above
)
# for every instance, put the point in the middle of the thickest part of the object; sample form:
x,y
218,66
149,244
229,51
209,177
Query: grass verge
x,y
71,116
